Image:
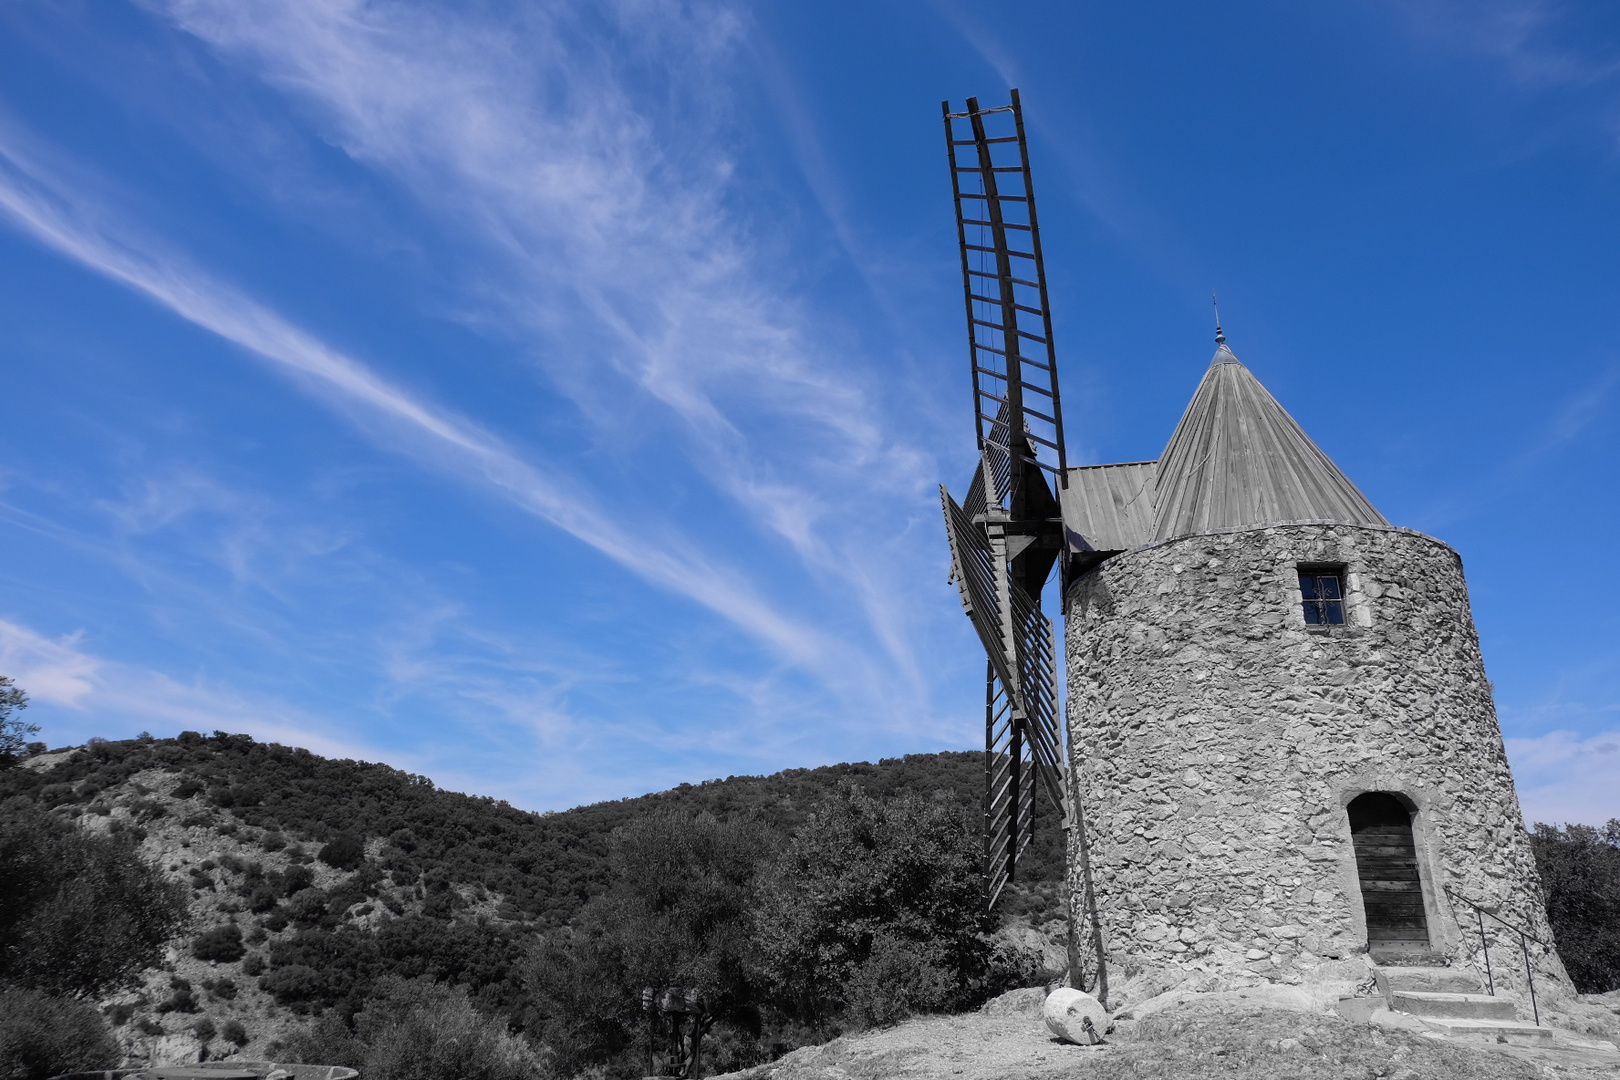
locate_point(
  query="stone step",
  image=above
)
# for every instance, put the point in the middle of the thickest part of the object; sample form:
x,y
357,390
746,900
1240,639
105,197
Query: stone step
x,y
1428,1003
1507,1029
1408,954
1437,980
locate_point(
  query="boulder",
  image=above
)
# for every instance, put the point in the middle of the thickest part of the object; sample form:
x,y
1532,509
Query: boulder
x,y
1067,1013
1028,1001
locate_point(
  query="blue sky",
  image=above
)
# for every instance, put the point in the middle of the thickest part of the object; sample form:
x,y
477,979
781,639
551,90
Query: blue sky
x,y
550,399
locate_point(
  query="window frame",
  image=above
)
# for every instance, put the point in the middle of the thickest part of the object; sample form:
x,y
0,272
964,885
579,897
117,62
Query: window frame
x,y
1338,571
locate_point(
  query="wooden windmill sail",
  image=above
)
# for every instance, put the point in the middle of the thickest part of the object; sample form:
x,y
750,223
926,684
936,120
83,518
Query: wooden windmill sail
x,y
1007,534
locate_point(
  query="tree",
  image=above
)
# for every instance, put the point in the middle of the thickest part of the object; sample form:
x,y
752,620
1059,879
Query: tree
x,y
222,943
346,852
43,1036
417,1030
14,732
79,914
675,915
1580,871
869,890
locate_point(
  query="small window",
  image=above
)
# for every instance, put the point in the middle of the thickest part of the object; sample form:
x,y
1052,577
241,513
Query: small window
x,y
1323,591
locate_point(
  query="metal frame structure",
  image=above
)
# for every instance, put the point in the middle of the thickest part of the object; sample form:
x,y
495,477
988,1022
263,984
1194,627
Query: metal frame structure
x,y
1008,532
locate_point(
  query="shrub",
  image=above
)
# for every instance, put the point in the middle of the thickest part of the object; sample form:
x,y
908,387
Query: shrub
x,y
308,908
344,853
1011,966
898,980
1580,872
860,869
42,1036
675,914
262,899
296,879
13,731
295,986
222,943
418,1030
118,1015
204,1029
328,1041
186,788
253,964
233,1032
273,841
180,998
58,881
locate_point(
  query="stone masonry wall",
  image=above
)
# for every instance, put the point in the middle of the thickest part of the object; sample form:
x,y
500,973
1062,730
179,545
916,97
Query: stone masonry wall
x,y
1217,740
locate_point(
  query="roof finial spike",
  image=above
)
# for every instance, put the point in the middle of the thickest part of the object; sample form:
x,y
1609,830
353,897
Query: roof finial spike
x,y
1220,338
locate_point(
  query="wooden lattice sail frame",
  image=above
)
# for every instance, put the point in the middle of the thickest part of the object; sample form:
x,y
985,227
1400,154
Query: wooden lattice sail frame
x,y
1008,533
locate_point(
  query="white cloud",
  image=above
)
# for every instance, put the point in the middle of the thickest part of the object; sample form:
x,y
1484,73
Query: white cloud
x,y
95,692
1564,777
51,671
604,217
1539,42
616,247
58,216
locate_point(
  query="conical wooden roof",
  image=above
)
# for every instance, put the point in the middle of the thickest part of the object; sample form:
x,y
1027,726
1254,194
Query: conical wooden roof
x,y
1238,460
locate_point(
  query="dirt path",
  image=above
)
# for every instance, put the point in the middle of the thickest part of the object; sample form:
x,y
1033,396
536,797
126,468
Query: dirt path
x,y
1209,1035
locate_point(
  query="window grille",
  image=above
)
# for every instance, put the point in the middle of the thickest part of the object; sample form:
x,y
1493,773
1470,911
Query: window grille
x,y
1323,592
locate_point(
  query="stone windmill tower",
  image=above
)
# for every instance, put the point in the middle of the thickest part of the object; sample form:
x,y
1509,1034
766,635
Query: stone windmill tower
x,y
1279,719
1282,754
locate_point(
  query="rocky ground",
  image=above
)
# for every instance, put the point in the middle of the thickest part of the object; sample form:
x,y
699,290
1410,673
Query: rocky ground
x,y
1247,1035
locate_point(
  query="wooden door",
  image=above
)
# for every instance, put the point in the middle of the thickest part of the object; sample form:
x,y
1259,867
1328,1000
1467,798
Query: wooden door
x,y
1386,863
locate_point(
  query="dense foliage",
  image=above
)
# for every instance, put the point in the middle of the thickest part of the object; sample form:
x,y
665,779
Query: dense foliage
x,y
43,1036
57,880
872,894
317,969
870,912
678,913
1580,872
14,732
417,1030
662,889
546,866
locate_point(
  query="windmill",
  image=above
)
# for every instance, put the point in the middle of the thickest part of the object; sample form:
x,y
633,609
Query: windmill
x,y
1007,533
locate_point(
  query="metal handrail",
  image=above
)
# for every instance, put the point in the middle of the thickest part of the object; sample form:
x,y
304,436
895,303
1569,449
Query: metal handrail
x,y
1525,937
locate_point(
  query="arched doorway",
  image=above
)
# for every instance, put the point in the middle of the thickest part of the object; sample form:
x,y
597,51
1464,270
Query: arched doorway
x,y
1386,863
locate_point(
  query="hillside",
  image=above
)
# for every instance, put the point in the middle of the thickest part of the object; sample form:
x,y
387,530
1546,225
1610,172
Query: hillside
x,y
311,879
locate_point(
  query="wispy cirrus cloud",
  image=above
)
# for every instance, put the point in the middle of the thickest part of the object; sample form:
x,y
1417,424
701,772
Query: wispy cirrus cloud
x,y
611,233
37,200
1539,42
59,671
621,253
1563,776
